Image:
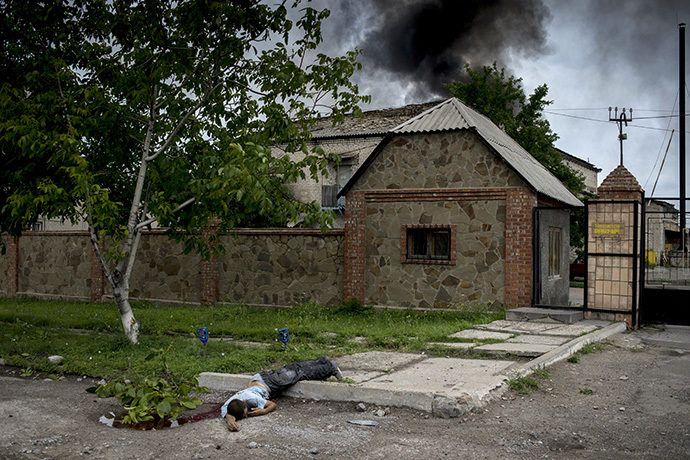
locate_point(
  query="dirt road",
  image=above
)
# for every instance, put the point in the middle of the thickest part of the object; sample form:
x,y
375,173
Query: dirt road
x,y
628,400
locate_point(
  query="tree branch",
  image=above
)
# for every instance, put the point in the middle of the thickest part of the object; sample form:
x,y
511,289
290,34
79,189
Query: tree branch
x,y
154,219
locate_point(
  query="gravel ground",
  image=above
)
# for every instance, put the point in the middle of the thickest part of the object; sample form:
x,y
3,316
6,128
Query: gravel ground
x,y
629,400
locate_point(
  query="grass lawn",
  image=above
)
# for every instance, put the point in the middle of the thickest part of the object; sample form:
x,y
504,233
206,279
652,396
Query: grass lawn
x,y
89,335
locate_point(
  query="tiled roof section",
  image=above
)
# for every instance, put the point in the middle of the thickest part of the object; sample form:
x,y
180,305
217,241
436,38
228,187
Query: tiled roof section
x,y
619,180
452,115
372,122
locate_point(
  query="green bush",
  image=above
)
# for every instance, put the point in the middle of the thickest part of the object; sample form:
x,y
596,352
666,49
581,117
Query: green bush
x,y
152,397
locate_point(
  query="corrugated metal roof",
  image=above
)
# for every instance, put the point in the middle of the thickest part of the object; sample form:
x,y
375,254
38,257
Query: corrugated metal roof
x,y
452,115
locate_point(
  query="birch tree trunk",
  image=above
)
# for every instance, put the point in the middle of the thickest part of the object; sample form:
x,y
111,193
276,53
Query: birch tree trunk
x,y
130,325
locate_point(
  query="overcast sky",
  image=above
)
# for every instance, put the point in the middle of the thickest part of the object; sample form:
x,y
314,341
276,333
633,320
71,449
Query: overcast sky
x,y
592,54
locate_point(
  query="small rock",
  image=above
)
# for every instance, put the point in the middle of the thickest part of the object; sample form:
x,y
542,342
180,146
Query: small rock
x,y
622,409
313,451
380,413
55,359
623,377
102,382
252,445
361,407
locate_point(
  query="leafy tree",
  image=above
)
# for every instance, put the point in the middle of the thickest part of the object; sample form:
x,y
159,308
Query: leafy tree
x,y
502,98
123,113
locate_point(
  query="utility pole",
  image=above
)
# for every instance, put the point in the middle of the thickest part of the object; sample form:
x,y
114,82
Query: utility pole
x,y
620,121
681,129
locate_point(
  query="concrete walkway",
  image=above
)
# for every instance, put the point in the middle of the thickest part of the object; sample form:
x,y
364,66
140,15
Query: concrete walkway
x,y
447,387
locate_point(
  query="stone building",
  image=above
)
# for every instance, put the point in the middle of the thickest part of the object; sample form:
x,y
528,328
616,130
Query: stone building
x,y
357,137
588,170
448,209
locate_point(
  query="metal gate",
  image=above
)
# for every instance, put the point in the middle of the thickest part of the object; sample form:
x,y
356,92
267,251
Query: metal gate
x,y
613,259
665,293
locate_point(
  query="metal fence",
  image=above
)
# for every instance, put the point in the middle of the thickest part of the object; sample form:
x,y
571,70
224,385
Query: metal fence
x,y
667,261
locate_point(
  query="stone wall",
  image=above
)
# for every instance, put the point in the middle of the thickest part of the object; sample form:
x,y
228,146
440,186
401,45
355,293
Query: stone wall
x,y
437,161
478,274
163,272
56,265
282,267
277,267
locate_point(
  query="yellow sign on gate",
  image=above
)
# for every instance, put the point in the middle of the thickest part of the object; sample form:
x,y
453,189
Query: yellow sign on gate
x,y
610,230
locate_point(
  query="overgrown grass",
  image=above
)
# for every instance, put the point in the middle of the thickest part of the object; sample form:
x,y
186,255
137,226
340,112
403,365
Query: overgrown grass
x,y
89,335
524,384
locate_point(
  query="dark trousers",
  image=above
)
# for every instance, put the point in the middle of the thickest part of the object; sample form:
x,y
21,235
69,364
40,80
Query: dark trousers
x,y
279,380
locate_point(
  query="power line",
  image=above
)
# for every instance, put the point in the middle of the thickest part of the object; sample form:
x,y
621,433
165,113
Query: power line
x,y
675,101
605,121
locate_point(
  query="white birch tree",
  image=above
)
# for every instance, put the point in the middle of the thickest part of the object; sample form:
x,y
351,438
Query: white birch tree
x,y
122,113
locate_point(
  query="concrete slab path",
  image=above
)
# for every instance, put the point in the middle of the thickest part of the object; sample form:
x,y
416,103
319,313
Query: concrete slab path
x,y
447,387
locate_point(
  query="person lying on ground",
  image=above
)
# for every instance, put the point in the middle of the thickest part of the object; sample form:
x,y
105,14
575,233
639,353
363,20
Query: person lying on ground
x,y
255,399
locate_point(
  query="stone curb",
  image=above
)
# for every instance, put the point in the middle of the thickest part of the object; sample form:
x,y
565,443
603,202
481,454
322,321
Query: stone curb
x,y
569,348
328,391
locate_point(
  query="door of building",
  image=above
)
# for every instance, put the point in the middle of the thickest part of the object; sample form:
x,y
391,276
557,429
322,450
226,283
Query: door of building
x,y
551,286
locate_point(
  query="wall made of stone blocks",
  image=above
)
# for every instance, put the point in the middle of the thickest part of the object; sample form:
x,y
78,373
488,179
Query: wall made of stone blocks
x,y
478,274
55,265
437,161
163,272
281,267
277,267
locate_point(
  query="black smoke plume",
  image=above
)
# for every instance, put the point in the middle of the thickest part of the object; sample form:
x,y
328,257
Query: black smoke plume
x,y
428,42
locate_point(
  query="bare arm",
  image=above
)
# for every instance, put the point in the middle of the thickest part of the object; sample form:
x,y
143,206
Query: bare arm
x,y
269,407
232,423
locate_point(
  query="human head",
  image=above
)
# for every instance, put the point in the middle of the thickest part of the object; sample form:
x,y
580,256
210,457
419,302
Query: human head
x,y
237,408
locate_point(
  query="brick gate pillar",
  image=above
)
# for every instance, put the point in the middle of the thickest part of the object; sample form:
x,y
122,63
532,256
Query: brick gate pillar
x,y
519,255
355,247
614,249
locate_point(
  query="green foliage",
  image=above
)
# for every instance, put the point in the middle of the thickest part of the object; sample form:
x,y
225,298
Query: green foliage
x,y
354,307
152,397
27,372
523,384
586,391
575,358
541,372
83,333
123,114
591,347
